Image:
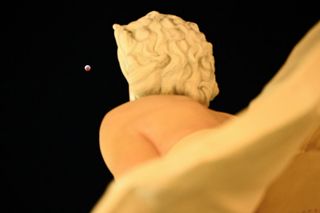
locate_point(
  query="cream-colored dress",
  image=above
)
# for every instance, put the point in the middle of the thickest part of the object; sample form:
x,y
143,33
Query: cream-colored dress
x,y
297,189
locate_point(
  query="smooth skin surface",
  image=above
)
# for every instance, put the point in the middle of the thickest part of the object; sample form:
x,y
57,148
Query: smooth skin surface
x,y
149,127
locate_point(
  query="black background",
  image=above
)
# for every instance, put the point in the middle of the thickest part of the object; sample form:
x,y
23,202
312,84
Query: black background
x,y
51,108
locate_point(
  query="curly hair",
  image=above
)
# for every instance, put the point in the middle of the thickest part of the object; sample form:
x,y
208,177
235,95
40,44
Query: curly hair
x,y
163,54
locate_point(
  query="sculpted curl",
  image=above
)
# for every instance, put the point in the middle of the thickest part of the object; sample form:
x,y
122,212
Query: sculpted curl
x,y
163,54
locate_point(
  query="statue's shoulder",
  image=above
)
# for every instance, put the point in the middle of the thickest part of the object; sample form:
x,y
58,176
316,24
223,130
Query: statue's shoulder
x,y
146,108
117,116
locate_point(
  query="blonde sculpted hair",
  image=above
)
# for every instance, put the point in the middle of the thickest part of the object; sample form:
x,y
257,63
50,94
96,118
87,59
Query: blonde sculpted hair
x,y
163,54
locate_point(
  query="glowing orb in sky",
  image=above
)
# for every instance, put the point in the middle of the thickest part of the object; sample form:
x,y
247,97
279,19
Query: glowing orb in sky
x,y
87,68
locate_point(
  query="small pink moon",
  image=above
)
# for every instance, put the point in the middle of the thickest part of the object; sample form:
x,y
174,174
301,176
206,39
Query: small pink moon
x,y
87,68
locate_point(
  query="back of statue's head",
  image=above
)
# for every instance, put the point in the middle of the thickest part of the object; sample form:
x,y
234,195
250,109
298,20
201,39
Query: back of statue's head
x,y
163,54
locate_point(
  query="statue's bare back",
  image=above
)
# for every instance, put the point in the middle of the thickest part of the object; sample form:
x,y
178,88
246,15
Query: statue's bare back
x,y
147,128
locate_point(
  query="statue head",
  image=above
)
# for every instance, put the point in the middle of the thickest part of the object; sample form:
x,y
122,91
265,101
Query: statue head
x,y
161,54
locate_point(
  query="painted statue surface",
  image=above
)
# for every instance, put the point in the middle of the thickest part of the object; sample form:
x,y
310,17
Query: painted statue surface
x,y
169,152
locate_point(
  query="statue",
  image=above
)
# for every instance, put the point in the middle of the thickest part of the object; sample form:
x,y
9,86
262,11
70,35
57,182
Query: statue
x,y
169,67
169,153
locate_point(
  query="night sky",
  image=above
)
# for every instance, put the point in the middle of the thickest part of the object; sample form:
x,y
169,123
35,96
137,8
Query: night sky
x,y
51,108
